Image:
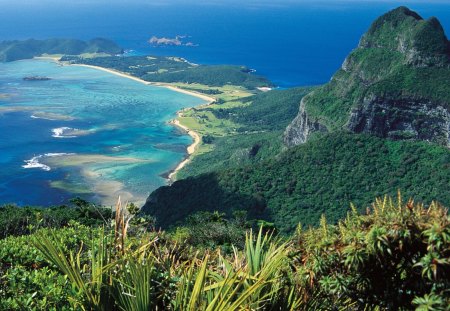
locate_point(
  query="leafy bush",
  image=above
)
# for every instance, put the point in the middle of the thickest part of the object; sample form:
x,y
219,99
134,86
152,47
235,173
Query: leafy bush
x,y
394,256
28,281
15,220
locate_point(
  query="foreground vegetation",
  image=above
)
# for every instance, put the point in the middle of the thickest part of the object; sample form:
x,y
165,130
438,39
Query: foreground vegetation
x,y
16,220
394,256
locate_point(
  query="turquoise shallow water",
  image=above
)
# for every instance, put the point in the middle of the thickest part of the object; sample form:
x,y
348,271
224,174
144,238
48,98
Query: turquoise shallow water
x,y
84,133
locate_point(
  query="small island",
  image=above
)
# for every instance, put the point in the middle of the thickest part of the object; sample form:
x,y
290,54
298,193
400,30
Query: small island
x,y
177,41
36,78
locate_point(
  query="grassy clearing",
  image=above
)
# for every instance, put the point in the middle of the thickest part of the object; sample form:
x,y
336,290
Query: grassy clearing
x,y
203,120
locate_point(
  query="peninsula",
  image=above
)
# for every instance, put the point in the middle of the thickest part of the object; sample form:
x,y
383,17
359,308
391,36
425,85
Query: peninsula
x,y
26,49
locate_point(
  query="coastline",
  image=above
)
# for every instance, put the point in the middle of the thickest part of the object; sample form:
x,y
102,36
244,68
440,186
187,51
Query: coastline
x,y
190,148
209,99
159,84
196,137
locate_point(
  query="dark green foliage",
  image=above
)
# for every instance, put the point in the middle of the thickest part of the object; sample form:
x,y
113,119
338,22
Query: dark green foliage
x,y
427,83
28,282
306,181
212,75
15,50
401,56
16,220
207,139
269,111
137,66
205,91
394,258
426,36
212,230
173,69
231,151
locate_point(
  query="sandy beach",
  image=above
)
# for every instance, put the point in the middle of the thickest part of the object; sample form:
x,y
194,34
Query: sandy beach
x,y
190,149
194,135
168,86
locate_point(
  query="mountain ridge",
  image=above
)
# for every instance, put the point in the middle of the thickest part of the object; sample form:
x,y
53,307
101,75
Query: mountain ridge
x,y
381,124
395,84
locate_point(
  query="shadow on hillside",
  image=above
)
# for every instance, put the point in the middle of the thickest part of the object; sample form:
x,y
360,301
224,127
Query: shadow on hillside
x,y
172,204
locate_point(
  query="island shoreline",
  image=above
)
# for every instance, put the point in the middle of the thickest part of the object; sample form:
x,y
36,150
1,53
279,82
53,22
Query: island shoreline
x,y
159,84
171,174
175,122
190,149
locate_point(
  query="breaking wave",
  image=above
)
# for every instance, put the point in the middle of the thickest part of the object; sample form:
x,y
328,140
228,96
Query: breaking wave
x,y
34,161
60,132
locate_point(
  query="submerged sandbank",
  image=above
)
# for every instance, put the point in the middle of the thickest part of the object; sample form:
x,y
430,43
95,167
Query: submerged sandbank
x,y
196,137
84,159
107,190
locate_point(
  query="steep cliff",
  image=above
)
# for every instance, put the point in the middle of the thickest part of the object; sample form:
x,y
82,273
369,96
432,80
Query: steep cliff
x,y
395,84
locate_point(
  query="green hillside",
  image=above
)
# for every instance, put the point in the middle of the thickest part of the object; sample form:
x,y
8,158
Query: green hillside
x,y
319,177
395,86
16,50
259,123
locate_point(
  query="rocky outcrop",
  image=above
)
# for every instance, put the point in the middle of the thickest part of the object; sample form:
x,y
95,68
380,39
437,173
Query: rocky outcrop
x,y
402,118
301,127
395,84
422,42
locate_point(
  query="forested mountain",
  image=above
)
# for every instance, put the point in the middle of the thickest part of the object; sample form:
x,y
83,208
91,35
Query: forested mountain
x,y
16,50
395,84
363,131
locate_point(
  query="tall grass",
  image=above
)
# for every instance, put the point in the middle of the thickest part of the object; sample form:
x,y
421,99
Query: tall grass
x,y
396,256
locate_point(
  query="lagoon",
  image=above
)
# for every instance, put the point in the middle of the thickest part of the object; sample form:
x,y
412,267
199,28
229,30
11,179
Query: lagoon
x,y
84,133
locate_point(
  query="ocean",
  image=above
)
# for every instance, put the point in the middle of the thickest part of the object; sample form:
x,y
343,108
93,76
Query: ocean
x,y
93,134
84,133
292,42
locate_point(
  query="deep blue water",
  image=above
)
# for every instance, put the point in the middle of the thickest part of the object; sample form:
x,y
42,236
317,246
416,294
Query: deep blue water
x,y
291,42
